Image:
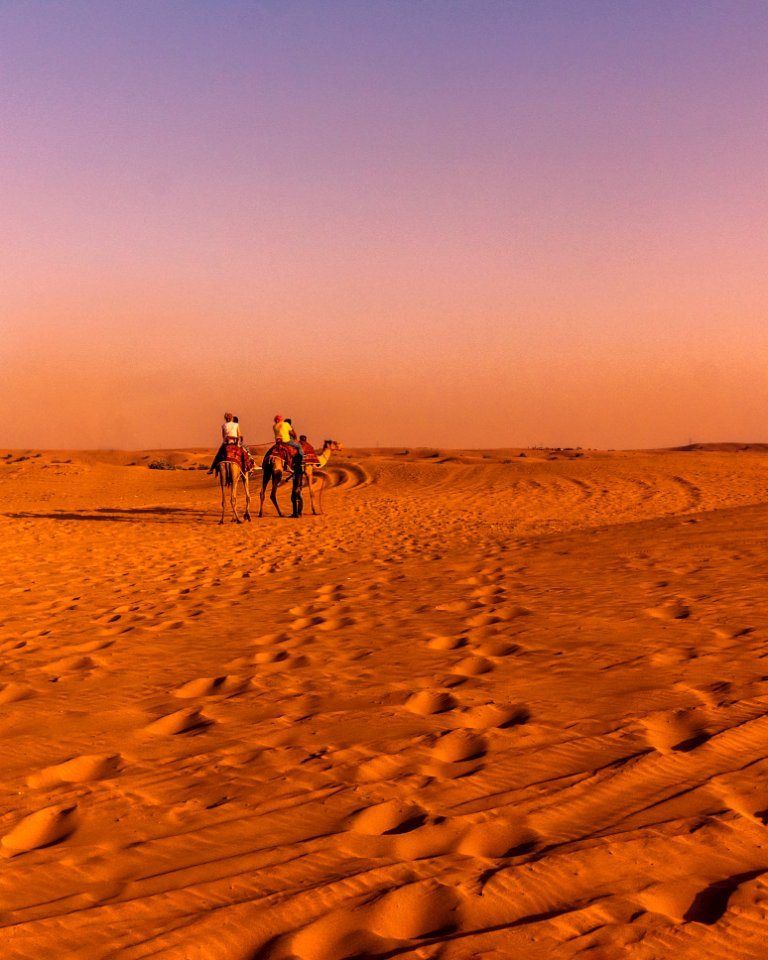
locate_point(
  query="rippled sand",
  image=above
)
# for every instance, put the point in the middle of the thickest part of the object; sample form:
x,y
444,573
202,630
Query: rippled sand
x,y
485,706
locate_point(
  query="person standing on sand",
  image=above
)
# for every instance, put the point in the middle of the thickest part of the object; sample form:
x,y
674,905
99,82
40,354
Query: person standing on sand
x,y
298,482
230,433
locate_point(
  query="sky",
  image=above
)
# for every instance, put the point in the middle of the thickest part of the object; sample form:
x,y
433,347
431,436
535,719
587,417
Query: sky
x,y
446,223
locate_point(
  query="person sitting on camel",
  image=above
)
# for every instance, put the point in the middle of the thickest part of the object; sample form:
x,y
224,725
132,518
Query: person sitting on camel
x,y
285,440
230,433
310,454
282,429
293,442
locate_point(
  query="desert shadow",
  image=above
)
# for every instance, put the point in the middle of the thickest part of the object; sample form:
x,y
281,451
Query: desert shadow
x,y
115,514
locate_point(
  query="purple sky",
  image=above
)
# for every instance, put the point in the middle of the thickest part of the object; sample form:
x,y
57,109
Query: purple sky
x,y
425,223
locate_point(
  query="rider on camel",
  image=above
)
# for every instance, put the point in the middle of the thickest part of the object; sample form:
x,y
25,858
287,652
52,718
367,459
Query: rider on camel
x,y
282,429
230,433
286,445
310,454
231,436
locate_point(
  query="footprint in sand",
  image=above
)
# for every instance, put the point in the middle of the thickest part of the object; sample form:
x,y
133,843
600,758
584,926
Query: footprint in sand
x,y
181,721
161,625
671,610
472,582
488,619
268,639
459,606
108,619
472,667
393,816
498,838
335,622
427,702
415,910
750,800
459,745
488,594
331,592
433,839
306,610
305,623
403,913
14,644
384,767
487,716
446,643
719,693
76,664
78,770
41,829
687,900
496,648
270,656
211,687
13,692
671,655
458,753
675,732
271,661
91,646
732,633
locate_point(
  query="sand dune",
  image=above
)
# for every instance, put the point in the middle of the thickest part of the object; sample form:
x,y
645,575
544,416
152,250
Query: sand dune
x,y
486,706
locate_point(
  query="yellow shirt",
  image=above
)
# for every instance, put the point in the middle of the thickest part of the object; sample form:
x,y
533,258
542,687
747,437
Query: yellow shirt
x,y
282,431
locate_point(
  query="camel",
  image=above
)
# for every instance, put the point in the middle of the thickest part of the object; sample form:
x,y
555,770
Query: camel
x,y
329,447
230,475
274,473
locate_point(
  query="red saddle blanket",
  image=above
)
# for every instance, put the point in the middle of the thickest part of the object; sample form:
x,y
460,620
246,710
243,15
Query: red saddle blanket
x,y
238,455
283,450
310,454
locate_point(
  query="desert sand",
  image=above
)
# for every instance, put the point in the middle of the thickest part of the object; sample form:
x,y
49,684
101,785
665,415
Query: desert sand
x,y
485,706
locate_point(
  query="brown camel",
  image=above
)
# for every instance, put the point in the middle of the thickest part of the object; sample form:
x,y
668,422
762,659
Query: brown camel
x,y
230,475
329,447
274,472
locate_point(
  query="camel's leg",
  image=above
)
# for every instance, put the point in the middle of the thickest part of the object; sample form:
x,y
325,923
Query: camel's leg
x,y
247,514
273,496
264,482
221,472
309,475
321,478
233,493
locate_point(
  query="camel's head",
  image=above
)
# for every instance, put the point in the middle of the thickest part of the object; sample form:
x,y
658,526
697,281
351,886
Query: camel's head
x,y
334,445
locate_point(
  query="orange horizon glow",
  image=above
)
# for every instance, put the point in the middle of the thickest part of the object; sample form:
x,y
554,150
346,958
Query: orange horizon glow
x,y
504,226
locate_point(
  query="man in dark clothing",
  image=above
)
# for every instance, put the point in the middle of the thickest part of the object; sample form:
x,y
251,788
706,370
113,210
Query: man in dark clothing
x,y
298,482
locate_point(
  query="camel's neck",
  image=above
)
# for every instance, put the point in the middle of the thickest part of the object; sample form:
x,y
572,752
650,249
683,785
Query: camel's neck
x,y
325,455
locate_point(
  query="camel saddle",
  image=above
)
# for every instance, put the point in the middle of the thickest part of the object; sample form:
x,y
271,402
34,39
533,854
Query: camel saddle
x,y
283,450
239,455
310,454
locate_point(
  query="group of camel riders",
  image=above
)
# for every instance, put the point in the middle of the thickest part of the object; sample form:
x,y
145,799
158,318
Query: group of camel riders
x,y
289,457
293,451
